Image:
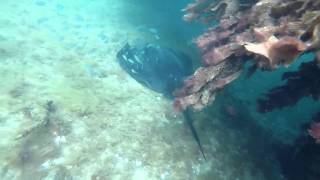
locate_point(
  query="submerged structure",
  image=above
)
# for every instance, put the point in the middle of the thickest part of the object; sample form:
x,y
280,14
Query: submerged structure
x,y
268,33
265,34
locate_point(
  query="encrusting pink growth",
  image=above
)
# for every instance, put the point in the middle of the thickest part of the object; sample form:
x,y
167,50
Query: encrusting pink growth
x,y
278,51
210,10
286,50
269,32
206,95
212,38
219,54
314,132
199,90
201,77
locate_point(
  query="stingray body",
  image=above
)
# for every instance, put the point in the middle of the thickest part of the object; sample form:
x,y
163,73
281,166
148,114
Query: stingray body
x,y
160,69
157,68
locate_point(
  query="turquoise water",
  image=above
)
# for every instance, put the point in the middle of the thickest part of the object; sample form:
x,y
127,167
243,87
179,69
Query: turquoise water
x,y
68,111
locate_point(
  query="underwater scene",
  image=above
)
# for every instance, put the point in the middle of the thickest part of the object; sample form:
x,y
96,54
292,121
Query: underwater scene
x,y
160,90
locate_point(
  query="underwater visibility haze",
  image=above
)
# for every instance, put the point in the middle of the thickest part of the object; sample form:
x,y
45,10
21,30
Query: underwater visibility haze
x,y
160,90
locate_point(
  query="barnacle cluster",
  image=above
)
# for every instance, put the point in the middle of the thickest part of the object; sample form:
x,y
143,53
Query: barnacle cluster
x,y
268,32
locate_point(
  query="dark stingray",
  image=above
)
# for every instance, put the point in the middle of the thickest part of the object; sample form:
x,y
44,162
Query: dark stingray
x,y
157,68
160,69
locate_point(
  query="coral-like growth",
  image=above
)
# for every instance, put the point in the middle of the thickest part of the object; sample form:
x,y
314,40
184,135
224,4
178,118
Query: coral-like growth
x,y
209,10
270,32
199,90
314,131
278,51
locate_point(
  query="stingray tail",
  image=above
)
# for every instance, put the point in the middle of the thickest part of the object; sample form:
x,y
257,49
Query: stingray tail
x,y
188,119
